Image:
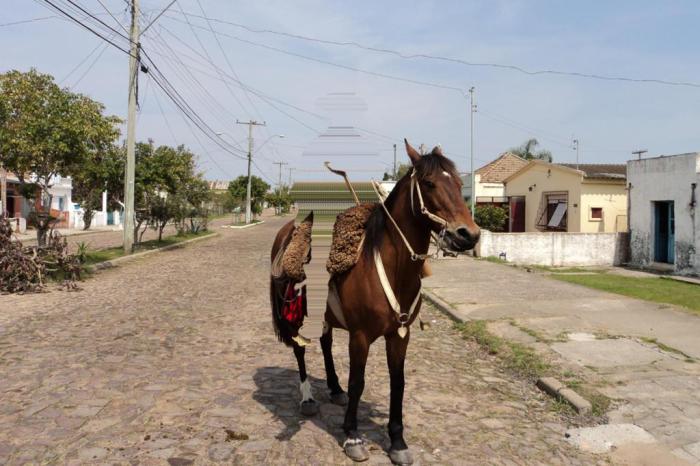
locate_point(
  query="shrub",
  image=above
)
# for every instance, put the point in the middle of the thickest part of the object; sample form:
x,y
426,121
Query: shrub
x,y
491,217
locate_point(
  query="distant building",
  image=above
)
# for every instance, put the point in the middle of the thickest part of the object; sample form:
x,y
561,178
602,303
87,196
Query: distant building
x,y
489,179
218,185
546,196
664,225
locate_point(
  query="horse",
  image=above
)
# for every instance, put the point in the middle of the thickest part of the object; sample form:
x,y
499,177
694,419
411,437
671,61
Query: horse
x,y
380,295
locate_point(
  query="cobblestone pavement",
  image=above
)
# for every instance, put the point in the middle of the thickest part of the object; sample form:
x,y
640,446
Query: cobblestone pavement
x,y
170,359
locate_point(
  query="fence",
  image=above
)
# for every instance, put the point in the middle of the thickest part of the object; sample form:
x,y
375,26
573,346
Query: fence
x,y
556,249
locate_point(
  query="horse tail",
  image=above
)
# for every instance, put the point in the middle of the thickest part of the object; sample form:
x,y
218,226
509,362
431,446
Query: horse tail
x,y
278,285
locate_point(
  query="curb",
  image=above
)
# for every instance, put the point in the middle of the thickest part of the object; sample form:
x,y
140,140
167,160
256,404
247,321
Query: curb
x,y
549,385
138,255
554,388
442,306
241,227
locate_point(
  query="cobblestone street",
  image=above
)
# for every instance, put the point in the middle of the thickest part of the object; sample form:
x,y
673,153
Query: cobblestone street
x,y
171,359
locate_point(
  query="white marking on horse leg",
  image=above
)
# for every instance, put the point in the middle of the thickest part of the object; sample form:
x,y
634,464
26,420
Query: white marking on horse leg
x,y
305,388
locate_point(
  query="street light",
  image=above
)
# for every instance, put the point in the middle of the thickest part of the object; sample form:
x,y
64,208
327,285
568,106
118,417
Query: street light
x,y
281,136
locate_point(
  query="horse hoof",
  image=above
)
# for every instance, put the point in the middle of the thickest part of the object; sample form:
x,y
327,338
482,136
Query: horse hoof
x,y
402,457
340,399
355,450
309,407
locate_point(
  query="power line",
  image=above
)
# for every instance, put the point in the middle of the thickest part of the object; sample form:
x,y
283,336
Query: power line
x,y
337,65
87,70
113,17
80,23
458,61
32,20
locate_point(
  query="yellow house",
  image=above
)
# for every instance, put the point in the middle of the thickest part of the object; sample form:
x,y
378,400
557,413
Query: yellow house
x,y
561,197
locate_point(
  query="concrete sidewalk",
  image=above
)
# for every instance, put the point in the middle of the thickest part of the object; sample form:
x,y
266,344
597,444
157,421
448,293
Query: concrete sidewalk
x,y
608,335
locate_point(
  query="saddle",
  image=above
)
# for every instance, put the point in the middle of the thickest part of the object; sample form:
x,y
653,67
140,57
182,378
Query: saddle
x,y
348,237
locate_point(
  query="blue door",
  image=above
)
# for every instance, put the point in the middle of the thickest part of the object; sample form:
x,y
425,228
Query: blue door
x,y
110,217
664,232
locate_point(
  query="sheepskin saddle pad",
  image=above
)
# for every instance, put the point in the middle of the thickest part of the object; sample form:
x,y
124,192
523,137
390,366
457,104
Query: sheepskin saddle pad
x,y
297,252
348,236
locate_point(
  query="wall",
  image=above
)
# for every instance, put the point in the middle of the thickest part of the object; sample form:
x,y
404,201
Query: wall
x,y
612,197
556,248
546,178
665,179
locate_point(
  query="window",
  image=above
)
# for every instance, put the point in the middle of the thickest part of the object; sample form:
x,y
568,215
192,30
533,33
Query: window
x,y
552,213
596,213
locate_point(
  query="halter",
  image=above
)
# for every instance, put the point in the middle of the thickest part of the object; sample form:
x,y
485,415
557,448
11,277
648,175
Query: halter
x,y
415,186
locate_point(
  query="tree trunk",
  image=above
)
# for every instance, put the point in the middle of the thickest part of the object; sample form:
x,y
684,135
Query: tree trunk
x,y
160,231
87,218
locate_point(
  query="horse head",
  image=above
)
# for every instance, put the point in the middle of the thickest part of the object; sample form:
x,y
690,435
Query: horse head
x,y
437,192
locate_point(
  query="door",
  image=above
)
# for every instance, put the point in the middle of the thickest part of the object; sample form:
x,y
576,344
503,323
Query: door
x,y
664,232
110,217
517,214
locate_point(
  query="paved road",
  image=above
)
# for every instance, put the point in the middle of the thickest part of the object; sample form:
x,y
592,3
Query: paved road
x,y
152,361
658,389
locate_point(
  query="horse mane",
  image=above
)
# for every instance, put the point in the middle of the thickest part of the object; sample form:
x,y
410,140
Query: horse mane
x,y
428,165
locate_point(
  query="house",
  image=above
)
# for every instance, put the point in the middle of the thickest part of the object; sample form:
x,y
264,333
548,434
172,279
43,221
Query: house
x,y
488,180
587,198
664,225
13,206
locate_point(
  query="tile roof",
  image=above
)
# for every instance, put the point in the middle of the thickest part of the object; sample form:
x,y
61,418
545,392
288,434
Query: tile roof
x,y
501,168
613,171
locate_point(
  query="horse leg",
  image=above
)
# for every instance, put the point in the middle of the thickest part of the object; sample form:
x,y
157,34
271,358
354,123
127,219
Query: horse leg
x,y
353,445
338,396
309,407
396,355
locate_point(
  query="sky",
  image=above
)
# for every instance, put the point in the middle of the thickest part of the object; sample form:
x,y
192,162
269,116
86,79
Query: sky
x,y
306,89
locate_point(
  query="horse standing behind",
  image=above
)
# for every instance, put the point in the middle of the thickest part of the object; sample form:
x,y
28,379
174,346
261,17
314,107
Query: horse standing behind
x,y
427,199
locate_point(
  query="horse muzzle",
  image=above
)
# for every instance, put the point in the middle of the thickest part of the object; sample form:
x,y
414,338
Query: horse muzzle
x,y
461,239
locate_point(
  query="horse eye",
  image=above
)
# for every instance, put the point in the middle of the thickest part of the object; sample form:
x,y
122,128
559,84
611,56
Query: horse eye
x,y
429,184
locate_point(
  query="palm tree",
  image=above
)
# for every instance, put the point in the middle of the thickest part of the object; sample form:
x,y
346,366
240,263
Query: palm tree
x,y
527,151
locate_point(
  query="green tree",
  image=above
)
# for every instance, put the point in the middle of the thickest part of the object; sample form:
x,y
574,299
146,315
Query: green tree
x,y
237,192
46,131
491,217
402,169
101,172
527,151
280,200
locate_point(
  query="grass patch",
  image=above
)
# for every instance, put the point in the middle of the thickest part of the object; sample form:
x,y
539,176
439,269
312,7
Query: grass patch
x,y
518,358
524,362
103,255
665,347
547,268
494,259
653,289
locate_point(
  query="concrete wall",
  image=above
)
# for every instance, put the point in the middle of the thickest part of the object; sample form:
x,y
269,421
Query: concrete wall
x,y
546,178
665,179
555,248
611,196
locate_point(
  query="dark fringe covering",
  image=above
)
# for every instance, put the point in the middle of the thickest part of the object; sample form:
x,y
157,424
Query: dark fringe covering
x,y
348,230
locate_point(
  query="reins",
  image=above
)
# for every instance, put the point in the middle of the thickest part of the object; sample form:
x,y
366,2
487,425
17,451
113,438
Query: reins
x,y
415,186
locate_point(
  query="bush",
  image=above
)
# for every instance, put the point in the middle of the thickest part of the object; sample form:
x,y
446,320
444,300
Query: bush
x,y
491,217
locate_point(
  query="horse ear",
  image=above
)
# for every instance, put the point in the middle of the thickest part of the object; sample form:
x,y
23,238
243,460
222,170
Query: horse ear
x,y
437,150
412,153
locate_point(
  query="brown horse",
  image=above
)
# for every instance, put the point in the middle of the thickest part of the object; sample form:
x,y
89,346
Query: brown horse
x,y
427,199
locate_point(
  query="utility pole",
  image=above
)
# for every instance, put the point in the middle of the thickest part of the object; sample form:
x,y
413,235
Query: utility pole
x,y
472,110
289,181
279,183
131,132
394,162
250,124
639,153
575,147
3,193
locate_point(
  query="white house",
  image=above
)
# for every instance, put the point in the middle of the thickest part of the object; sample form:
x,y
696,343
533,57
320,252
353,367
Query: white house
x,y
489,179
663,201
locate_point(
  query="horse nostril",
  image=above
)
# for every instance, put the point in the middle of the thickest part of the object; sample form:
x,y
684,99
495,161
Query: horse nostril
x,y
463,233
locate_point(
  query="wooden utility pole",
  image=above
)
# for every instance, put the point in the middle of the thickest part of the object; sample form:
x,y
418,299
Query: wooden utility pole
x,y
250,123
394,162
279,183
472,110
3,192
130,173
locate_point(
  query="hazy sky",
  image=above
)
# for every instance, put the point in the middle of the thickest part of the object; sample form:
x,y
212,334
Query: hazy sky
x,y
635,39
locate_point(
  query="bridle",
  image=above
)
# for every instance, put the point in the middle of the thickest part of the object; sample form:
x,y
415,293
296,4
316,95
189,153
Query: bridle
x,y
415,186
